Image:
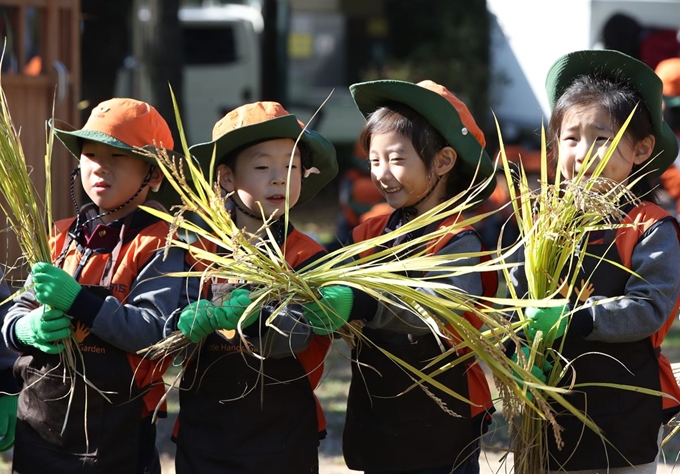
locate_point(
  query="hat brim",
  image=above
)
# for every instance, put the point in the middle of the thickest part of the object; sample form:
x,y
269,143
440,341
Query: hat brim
x,y
322,151
72,138
619,66
476,166
672,101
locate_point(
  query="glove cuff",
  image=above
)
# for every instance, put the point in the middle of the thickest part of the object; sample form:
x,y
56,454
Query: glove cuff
x,y
344,301
70,293
24,331
8,403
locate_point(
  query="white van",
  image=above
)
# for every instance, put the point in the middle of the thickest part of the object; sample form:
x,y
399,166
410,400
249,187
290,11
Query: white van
x,y
529,35
222,70
221,65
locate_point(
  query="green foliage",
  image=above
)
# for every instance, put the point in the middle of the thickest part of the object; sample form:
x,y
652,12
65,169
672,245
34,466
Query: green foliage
x,y
447,42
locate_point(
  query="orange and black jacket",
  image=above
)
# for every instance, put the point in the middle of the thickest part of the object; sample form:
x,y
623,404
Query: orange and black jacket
x,y
392,424
121,309
248,402
630,277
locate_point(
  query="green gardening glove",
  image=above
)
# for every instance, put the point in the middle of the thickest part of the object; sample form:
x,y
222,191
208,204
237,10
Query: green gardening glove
x,y
536,371
332,311
194,320
551,321
228,315
42,328
202,318
54,287
8,420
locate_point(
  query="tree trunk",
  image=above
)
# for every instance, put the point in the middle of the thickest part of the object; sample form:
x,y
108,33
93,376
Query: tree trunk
x,y
104,44
273,46
160,53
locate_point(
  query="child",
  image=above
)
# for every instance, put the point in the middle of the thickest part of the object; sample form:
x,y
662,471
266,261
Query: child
x,y
9,387
105,289
238,412
424,148
358,197
615,340
668,71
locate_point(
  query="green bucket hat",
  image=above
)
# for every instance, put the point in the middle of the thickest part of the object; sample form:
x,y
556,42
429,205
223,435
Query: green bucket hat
x,y
260,121
618,66
126,124
445,112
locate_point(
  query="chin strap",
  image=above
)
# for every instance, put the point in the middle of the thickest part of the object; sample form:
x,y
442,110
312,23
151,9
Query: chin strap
x,y
277,227
410,211
246,212
78,225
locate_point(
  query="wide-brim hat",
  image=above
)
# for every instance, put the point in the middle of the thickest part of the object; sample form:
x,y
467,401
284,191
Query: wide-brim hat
x,y
130,125
261,121
445,112
617,66
127,124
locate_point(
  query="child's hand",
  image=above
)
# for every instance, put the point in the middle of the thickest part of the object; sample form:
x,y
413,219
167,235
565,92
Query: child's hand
x,y
228,315
536,371
332,311
202,318
8,420
546,320
194,320
54,287
42,327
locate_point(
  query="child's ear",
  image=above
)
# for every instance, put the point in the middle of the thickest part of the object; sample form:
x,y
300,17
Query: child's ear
x,y
444,160
156,179
643,149
226,177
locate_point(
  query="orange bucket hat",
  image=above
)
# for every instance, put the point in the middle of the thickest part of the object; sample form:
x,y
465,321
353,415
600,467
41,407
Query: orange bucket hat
x,y
445,112
668,71
121,123
260,121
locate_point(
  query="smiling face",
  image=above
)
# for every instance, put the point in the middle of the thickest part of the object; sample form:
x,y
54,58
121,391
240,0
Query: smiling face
x,y
260,175
401,175
584,127
110,177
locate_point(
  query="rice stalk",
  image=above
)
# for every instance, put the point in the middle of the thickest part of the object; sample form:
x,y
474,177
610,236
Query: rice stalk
x,y
245,257
554,223
28,216
258,261
21,205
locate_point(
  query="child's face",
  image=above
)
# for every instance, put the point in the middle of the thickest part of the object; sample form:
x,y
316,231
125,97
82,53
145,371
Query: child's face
x,y
585,127
261,176
400,174
110,177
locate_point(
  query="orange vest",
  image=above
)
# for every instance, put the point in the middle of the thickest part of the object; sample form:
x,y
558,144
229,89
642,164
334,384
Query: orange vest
x,y
644,216
134,255
477,384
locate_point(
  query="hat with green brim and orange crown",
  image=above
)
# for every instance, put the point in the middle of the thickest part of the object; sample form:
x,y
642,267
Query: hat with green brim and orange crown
x,y
445,112
127,124
261,121
617,66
